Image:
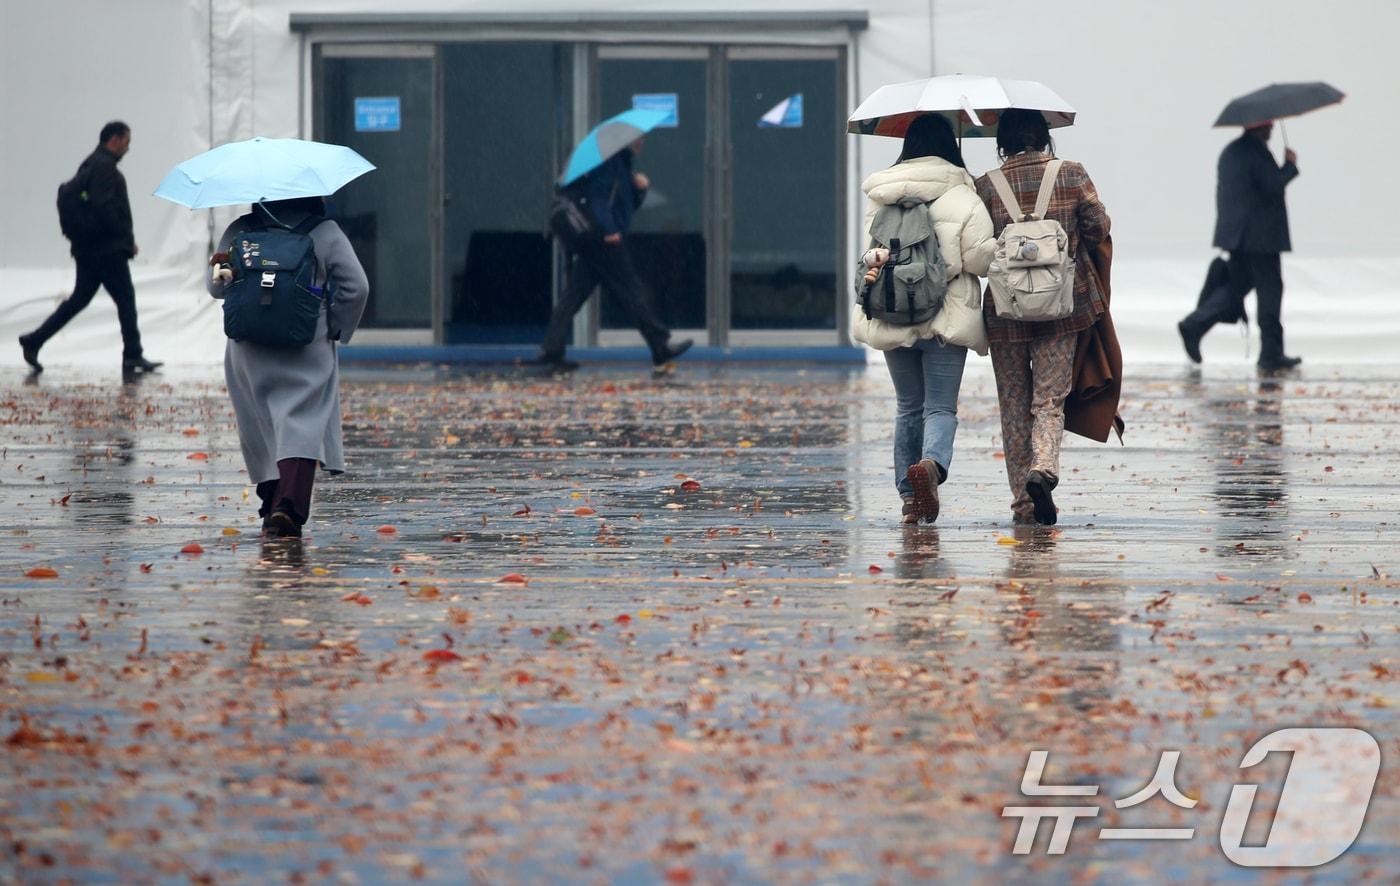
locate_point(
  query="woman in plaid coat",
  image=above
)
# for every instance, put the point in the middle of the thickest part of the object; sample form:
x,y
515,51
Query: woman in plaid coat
x,y
1033,361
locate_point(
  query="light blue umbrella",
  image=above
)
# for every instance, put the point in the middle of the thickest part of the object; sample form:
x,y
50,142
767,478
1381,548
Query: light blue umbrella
x,y
261,169
607,138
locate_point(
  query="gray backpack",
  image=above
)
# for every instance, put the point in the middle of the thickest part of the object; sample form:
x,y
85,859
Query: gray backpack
x,y
912,284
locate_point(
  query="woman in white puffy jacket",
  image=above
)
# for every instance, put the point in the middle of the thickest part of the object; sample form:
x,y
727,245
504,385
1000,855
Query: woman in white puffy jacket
x,y
926,361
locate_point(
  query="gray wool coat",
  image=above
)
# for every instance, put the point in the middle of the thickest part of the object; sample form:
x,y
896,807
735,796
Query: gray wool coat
x,y
287,400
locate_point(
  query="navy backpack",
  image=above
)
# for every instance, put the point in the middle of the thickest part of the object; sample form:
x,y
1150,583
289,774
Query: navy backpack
x,y
273,298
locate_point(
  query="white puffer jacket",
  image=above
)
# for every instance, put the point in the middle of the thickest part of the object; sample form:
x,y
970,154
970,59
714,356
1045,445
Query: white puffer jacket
x,y
964,237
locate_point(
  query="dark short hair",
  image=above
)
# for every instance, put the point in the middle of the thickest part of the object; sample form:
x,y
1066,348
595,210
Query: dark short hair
x,y
931,135
111,130
308,205
1021,130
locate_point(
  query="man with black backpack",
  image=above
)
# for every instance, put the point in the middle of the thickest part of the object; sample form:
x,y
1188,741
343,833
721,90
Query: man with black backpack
x,y
95,215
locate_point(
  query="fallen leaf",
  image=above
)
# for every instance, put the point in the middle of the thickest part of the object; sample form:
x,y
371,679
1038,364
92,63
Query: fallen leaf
x,y
513,578
691,486
42,572
193,547
875,570
584,512
439,656
229,530
198,456
387,530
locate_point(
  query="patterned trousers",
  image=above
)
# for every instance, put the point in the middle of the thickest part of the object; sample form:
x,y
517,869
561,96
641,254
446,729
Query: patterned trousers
x,y
1033,380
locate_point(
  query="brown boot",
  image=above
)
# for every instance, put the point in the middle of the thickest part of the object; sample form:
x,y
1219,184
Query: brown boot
x,y
923,477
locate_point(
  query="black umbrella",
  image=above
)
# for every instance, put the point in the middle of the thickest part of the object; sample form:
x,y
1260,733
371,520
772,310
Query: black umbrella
x,y
1276,101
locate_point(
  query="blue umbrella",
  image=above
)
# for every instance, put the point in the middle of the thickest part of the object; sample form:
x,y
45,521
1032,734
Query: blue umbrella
x,y
606,139
261,169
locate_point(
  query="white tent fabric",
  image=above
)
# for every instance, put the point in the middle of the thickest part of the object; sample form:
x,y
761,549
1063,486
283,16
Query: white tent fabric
x,y
1146,79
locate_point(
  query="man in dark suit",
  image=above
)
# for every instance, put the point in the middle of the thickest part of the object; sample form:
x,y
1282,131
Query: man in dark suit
x,y
613,192
103,256
1251,223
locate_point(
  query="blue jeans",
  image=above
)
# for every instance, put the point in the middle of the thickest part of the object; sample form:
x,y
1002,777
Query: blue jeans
x,y
926,381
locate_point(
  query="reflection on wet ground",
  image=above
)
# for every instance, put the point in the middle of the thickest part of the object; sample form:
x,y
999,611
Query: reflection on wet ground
x,y
609,628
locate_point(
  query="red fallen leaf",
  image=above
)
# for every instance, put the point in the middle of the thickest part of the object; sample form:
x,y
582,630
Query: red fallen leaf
x,y
521,678
583,512
439,656
1034,613
198,456
147,567
64,501
42,572
691,486
1328,469
524,511
193,547
1305,597
1219,577
387,530
875,570
948,595
357,597
513,578
679,875
151,520
190,432
623,619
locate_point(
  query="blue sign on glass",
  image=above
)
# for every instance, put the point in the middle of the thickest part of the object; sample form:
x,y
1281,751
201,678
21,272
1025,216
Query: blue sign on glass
x,y
379,114
786,114
669,102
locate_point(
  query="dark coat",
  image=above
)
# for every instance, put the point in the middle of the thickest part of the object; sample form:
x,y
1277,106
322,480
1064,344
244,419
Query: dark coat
x,y
612,195
1091,410
106,188
1250,215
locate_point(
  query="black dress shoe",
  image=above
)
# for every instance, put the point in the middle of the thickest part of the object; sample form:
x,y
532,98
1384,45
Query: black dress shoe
x,y
1038,487
1192,343
31,353
554,364
671,352
1274,364
140,364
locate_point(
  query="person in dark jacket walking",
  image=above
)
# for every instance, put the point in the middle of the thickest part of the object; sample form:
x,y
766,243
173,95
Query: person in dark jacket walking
x,y
104,257
612,193
1252,225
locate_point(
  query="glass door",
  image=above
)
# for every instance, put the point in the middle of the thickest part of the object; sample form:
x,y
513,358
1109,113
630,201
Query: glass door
x,y
502,149
669,240
379,100
785,168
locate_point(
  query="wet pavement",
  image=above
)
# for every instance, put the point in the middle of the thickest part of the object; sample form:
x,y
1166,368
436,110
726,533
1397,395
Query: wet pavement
x,y
610,628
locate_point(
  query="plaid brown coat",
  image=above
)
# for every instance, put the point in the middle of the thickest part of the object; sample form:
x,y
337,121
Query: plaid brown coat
x,y
1075,205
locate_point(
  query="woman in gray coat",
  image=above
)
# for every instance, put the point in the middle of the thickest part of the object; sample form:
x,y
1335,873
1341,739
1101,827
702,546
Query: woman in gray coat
x,y
287,400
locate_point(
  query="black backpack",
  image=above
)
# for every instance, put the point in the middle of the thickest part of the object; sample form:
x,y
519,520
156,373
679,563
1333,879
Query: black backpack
x,y
273,298
75,215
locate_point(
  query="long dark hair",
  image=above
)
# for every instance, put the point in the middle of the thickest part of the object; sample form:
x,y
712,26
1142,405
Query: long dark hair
x,y
931,135
1021,130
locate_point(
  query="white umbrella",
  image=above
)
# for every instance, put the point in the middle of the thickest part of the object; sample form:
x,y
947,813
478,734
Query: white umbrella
x,y
972,104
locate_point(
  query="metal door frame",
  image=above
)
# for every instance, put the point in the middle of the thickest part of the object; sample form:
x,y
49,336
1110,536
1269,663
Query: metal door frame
x,y
431,53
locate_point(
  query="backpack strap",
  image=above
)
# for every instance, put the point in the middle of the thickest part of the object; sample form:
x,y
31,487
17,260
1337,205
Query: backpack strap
x,y
1008,196
1042,198
308,224
1047,188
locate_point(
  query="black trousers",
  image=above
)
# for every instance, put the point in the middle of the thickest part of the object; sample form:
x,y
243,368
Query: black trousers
x,y
1261,272
610,266
112,272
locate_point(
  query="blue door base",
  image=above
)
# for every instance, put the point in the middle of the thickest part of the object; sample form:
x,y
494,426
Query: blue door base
x,y
508,354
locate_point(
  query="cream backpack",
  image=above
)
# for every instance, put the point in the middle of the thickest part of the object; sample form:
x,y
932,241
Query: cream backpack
x,y
1032,273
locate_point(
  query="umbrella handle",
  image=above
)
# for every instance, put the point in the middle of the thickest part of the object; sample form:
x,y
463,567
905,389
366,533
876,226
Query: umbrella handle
x,y
1283,131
